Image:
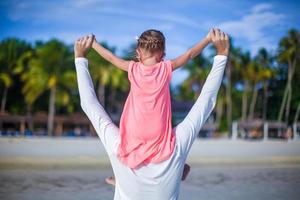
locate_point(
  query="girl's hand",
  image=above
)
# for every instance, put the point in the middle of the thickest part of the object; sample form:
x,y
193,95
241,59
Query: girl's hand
x,y
94,42
210,34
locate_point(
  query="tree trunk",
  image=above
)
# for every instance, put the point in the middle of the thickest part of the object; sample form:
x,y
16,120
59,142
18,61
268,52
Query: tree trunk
x,y
101,94
265,102
285,104
228,98
219,112
112,99
290,78
297,113
51,111
29,117
253,102
288,103
245,101
3,101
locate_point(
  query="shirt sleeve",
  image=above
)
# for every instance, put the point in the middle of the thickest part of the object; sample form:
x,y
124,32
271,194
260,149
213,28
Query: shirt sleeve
x,y
88,98
130,70
208,96
168,64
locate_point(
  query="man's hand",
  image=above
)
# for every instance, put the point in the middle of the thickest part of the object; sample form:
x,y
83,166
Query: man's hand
x,y
82,45
221,42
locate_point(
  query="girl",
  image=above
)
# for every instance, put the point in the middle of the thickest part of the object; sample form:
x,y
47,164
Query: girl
x,y
145,127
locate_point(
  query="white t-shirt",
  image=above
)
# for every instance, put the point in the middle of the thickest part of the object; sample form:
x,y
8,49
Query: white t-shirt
x,y
153,181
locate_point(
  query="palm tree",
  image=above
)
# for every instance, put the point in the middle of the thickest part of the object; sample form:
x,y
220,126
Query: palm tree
x,y
107,77
20,68
198,70
255,75
119,82
259,74
228,96
242,62
265,73
10,51
296,118
100,71
289,51
7,81
232,74
51,68
220,106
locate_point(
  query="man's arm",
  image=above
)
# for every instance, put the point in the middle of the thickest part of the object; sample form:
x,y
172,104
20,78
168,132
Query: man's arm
x,y
191,53
88,98
110,57
208,96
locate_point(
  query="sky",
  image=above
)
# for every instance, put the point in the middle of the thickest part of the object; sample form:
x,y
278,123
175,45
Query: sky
x,y
252,24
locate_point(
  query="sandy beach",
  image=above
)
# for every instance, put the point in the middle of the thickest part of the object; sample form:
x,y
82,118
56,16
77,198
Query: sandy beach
x,y
207,182
68,168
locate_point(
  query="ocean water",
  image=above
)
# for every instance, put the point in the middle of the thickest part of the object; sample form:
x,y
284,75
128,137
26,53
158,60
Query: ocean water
x,y
214,182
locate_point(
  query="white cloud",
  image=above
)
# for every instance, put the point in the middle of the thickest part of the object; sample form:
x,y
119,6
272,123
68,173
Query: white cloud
x,y
140,14
261,7
253,27
83,3
78,11
18,8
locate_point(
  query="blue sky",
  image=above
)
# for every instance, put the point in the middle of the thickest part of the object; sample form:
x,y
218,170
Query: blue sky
x,y
252,24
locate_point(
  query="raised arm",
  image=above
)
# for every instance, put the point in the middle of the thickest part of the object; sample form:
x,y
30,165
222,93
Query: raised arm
x,y
88,98
207,99
191,53
110,57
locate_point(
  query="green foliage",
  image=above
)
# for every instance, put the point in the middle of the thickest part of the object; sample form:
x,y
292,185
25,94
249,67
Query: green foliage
x,y
11,50
198,68
50,66
258,82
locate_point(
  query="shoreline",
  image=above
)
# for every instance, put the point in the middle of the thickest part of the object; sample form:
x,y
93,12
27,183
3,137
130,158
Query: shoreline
x,y
92,163
80,153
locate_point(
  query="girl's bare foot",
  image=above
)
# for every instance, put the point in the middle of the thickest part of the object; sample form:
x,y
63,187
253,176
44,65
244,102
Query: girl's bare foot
x,y
111,181
186,171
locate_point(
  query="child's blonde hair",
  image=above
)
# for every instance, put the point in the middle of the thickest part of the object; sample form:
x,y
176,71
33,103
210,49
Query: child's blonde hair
x,y
152,41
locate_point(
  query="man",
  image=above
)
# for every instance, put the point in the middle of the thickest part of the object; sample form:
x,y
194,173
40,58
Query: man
x,y
152,181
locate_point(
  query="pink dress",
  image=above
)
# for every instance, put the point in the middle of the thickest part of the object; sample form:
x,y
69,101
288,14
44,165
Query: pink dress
x,y
145,128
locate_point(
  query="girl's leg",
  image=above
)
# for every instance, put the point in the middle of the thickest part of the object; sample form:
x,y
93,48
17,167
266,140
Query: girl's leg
x,y
111,181
186,171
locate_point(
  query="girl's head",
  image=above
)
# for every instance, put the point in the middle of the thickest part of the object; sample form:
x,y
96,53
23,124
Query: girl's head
x,y
151,43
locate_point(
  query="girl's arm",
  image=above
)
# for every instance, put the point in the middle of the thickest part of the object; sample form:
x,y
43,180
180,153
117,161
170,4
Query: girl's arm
x,y
110,57
191,53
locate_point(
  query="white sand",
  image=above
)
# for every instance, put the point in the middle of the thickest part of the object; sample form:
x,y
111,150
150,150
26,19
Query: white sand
x,y
214,182
66,168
